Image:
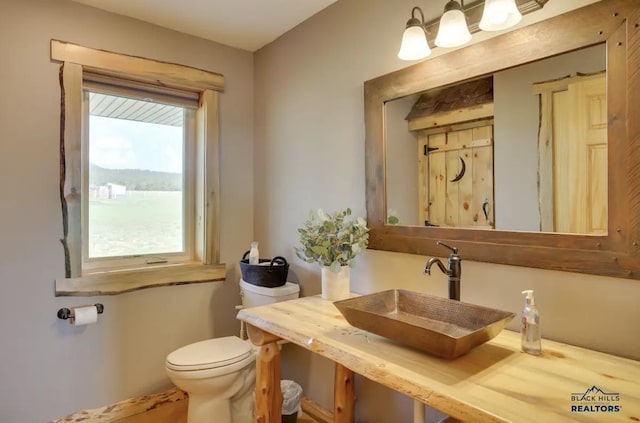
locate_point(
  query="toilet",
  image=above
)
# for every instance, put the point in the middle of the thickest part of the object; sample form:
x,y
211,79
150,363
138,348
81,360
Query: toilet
x,y
219,374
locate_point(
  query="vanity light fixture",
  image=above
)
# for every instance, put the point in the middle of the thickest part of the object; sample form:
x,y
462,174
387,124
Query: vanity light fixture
x,y
458,22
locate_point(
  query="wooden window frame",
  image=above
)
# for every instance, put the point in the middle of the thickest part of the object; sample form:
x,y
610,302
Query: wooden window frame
x,y
206,267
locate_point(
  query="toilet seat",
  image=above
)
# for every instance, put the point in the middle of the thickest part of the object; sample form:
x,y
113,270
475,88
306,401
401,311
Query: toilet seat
x,y
209,354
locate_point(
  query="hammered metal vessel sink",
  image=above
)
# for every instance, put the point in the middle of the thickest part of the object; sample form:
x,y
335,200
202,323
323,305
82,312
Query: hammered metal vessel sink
x,y
435,325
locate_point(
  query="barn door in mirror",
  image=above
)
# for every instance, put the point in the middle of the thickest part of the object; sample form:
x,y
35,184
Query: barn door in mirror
x,y
439,148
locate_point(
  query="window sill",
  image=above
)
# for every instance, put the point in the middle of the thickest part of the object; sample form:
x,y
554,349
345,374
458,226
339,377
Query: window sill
x,y
118,282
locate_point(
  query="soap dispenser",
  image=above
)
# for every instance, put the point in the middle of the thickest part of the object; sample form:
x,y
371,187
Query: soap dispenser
x,y
530,331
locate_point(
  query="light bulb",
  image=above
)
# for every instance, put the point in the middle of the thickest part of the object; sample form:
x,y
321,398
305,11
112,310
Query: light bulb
x,y
453,30
414,44
499,15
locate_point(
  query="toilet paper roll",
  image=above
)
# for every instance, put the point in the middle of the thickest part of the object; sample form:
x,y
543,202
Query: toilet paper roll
x,y
84,315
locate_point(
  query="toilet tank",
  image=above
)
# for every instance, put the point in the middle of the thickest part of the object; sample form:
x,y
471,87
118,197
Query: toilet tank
x,y
253,295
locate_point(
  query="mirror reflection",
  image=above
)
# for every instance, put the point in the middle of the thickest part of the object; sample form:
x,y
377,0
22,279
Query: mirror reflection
x,y
522,149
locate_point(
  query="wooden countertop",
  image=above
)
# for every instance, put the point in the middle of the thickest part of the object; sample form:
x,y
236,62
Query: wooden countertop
x,y
493,382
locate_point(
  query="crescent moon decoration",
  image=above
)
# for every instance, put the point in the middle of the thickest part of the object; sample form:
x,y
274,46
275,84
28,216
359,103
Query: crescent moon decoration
x,y
461,174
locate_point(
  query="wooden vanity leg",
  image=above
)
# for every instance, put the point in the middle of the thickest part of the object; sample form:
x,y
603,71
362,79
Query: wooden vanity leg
x,y
344,397
268,407
268,393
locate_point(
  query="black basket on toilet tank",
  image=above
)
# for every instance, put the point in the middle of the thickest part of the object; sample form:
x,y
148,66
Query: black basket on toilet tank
x,y
269,273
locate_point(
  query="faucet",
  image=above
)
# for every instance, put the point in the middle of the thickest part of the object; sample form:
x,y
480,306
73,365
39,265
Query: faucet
x,y
454,271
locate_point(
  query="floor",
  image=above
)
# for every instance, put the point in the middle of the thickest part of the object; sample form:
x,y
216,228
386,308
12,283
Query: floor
x,y
305,418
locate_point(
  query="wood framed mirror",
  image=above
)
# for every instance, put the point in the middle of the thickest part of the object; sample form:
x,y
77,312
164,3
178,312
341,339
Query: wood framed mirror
x,y
614,251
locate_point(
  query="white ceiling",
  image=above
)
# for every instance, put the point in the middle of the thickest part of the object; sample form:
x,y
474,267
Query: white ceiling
x,y
245,24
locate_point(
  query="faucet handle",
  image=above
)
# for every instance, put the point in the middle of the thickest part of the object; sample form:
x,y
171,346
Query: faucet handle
x,y
454,250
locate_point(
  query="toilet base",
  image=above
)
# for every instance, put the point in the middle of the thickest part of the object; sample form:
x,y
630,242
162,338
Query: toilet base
x,y
234,405
203,409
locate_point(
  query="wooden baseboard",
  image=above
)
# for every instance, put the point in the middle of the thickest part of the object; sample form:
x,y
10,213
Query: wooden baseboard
x,y
169,406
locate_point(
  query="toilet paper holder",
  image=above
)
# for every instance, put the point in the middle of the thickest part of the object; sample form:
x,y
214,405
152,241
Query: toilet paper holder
x,y
65,313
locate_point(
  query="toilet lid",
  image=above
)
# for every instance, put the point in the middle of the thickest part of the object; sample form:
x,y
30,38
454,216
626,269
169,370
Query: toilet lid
x,y
209,354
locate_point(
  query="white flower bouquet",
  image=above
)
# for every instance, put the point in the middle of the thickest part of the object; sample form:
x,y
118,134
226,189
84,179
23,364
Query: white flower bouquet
x,y
332,240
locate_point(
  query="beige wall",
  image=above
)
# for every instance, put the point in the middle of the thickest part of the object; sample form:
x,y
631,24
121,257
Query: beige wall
x,y
309,144
47,367
402,156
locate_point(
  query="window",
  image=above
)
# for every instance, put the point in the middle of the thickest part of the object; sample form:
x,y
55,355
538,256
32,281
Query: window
x,y
138,203
139,179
